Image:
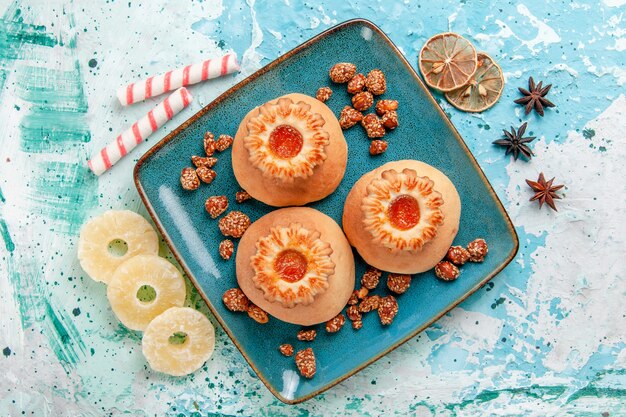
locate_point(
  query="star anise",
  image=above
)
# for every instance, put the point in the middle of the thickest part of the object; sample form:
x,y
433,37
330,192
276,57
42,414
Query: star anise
x,y
516,142
534,97
545,192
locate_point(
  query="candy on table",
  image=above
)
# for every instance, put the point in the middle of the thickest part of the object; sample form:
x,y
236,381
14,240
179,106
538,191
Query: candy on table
x,y
140,130
180,77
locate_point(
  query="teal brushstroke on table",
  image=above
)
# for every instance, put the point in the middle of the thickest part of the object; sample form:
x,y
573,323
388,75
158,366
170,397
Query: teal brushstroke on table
x,y
545,337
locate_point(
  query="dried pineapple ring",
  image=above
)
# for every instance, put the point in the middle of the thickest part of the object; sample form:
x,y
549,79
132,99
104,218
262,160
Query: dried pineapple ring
x,y
178,341
98,233
142,288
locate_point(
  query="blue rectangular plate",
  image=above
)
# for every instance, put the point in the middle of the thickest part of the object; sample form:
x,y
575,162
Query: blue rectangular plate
x,y
425,133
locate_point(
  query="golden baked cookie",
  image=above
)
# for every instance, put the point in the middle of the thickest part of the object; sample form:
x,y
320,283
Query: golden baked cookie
x,y
290,151
296,264
402,217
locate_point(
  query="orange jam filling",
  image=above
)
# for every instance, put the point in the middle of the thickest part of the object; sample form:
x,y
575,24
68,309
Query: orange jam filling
x,y
404,212
291,265
285,141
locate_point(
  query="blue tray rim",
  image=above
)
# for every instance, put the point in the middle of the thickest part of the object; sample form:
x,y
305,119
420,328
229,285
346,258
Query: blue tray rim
x,y
265,69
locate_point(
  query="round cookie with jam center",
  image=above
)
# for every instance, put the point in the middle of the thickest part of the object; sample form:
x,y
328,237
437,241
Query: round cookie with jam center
x,y
402,217
290,151
296,264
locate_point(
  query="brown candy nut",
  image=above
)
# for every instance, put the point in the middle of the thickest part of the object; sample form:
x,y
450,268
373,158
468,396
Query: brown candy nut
x,y
189,179
286,349
354,298
209,143
257,314
216,205
363,100
398,283
342,72
227,247
307,335
203,161
234,224
447,271
477,249
387,309
206,174
458,255
378,146
235,300
349,117
362,293
305,361
375,82
373,126
356,84
357,324
370,278
223,142
390,120
241,196
383,106
323,94
336,323
369,303
353,313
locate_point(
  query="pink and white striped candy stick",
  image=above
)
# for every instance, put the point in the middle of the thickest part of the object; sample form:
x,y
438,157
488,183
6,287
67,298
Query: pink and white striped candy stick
x,y
171,80
140,130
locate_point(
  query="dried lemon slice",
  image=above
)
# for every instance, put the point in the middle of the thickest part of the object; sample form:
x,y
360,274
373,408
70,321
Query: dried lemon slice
x,y
447,61
124,230
483,90
178,341
142,288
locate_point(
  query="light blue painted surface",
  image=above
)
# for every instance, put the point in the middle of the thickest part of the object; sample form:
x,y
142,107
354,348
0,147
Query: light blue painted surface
x,y
546,338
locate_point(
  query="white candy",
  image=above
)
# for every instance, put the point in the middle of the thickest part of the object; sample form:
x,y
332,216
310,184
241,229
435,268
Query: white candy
x,y
140,130
171,80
